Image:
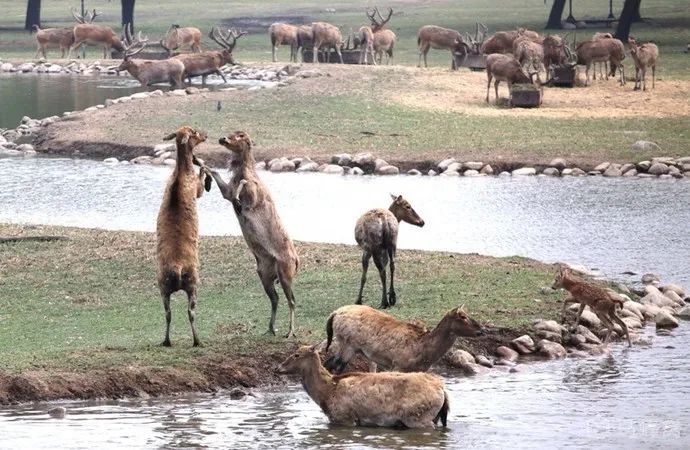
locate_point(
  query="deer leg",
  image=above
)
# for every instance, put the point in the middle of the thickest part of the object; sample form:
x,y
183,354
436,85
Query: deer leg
x,y
587,74
340,55
579,314
609,327
222,75
565,304
168,317
496,89
606,70
488,86
391,294
191,304
365,266
425,52
653,74
285,278
378,262
623,326
268,282
315,57
224,187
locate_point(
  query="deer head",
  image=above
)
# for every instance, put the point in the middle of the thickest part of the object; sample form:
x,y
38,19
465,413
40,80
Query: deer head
x,y
227,41
563,274
403,211
187,137
300,361
461,324
238,142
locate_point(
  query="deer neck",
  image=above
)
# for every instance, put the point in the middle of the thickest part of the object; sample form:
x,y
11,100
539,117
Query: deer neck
x,y
317,382
395,212
568,283
437,342
184,158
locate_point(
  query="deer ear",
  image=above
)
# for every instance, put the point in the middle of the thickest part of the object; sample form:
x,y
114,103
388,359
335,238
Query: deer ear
x,y
170,136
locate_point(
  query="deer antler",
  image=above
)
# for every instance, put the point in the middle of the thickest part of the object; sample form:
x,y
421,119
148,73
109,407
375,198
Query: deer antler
x,y
78,17
371,16
223,41
131,43
92,16
384,21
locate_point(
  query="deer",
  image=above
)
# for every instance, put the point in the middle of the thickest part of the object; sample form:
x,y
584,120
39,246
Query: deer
x,y
177,37
269,242
326,35
283,34
304,38
388,399
391,343
529,53
556,53
432,36
366,40
382,39
501,67
177,229
602,50
595,37
502,41
376,233
645,56
62,38
87,33
211,61
599,300
148,72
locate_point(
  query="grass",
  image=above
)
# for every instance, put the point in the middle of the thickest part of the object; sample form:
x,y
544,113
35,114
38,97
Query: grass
x,y
91,302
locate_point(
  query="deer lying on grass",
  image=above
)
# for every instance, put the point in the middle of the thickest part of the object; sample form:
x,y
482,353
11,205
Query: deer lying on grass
x,y
500,67
211,61
599,300
177,37
325,35
389,399
432,36
391,343
645,56
276,257
602,50
148,72
177,230
376,234
61,38
86,33
283,34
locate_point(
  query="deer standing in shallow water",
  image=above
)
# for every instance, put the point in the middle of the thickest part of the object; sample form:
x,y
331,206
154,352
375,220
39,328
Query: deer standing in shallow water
x,y
600,301
376,233
276,257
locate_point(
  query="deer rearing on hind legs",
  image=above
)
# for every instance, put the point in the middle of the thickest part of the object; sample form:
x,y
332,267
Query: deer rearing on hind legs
x,y
376,233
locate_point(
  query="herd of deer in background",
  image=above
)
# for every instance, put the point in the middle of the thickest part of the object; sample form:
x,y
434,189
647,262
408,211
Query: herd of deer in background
x,y
514,57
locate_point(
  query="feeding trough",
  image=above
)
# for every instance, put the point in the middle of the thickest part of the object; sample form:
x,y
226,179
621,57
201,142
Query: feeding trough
x,y
473,61
350,56
562,75
525,96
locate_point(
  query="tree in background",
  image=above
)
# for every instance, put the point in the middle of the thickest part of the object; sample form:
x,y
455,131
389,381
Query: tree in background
x,y
128,12
630,14
554,21
33,14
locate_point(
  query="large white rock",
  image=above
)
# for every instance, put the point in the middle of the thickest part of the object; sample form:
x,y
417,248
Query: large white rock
x,y
507,354
333,168
665,320
443,165
551,350
525,171
645,146
523,344
308,167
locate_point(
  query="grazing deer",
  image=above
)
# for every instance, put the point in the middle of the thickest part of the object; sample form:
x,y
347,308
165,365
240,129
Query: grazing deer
x,y
502,41
602,50
62,38
276,257
644,55
597,298
432,36
283,34
304,38
146,71
86,33
388,399
376,234
326,35
556,52
500,67
391,343
529,53
177,37
382,39
177,229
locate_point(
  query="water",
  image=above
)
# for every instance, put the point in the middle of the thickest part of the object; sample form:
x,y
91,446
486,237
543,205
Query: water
x,y
627,400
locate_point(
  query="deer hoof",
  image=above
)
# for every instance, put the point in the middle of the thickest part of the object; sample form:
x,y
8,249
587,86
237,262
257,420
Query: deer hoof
x,y
290,334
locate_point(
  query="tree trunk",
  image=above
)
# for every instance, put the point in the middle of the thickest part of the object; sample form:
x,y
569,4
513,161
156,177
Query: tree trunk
x,y
128,13
33,14
554,21
636,14
630,8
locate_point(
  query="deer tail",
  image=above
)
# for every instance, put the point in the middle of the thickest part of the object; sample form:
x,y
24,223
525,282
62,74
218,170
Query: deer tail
x,y
329,332
443,412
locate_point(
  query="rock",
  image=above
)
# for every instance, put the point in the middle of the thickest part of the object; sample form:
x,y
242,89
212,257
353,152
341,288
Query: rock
x,y
58,412
567,172
110,160
443,165
140,95
387,170
635,308
6,67
344,159
365,161
26,67
549,335
551,350
589,318
675,172
643,166
602,167
558,163
178,92
332,168
414,172
310,167
142,160
577,172
471,173
645,146
548,325
169,162
665,320
551,172
26,148
356,171
613,172
487,170
630,173
504,174
310,73
576,340
483,361
657,299
191,90
675,297
454,167
159,149
523,344
459,358
649,278
632,322
674,288
684,313
524,171
432,173
664,160
507,354
665,177
625,167
472,165
450,173
261,165
658,169
237,393
380,162
651,311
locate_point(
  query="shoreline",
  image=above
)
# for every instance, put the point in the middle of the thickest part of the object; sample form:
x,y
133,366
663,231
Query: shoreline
x,y
236,355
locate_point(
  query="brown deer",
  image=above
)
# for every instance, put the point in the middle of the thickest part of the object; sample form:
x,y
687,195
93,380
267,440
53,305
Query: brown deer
x,y
376,234
391,343
388,399
595,37
597,298
276,257
602,50
148,72
432,36
500,67
62,38
87,33
645,56
556,53
383,39
283,34
227,41
529,53
211,61
177,229
502,41
325,35
366,40
177,37
304,38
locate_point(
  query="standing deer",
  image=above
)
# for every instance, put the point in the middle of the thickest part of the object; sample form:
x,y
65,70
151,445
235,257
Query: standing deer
x,y
326,35
529,53
304,38
211,61
61,38
225,56
147,71
432,36
602,50
645,56
504,68
86,33
366,40
376,234
276,257
378,40
283,34
177,37
595,37
177,229
555,51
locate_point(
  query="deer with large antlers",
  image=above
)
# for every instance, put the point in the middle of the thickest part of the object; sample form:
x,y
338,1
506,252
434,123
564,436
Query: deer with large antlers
x,y
146,71
383,38
325,35
211,61
87,33
62,38
177,37
432,36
